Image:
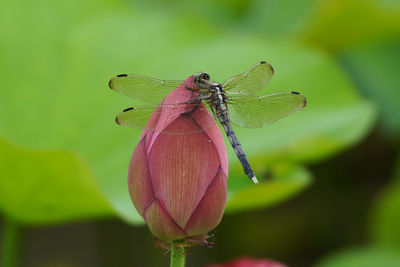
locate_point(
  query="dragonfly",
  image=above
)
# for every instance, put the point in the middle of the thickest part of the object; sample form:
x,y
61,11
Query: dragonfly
x,y
233,101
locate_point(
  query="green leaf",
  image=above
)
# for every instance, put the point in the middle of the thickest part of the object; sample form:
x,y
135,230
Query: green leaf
x,y
374,68
386,216
278,17
312,136
338,24
40,187
286,181
55,94
365,257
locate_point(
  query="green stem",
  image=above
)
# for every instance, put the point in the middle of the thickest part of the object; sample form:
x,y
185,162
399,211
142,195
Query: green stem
x,y
177,256
10,244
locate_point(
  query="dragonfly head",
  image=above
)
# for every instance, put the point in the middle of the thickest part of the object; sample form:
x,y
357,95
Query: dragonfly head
x,y
202,80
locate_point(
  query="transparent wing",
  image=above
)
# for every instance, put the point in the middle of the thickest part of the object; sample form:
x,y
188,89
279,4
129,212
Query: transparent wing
x,y
142,88
251,81
255,111
167,118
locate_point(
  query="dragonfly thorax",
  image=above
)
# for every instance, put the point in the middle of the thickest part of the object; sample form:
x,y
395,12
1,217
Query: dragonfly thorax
x,y
218,99
212,91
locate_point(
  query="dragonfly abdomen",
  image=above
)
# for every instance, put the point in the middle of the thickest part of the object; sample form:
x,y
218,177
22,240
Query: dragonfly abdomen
x,y
237,147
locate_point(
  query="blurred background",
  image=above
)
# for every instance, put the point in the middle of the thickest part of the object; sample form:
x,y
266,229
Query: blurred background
x,y
330,174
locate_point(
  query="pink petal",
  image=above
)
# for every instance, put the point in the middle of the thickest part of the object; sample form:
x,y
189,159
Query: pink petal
x,y
213,131
209,211
215,136
183,176
182,167
179,95
161,224
139,182
202,117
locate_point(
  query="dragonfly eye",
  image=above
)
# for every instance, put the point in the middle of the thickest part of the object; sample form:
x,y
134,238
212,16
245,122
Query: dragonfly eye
x,y
205,76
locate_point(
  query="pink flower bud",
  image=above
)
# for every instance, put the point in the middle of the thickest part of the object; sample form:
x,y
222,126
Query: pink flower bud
x,y
248,262
178,182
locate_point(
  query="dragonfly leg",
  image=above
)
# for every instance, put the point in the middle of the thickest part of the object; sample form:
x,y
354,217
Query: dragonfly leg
x,y
189,88
189,112
196,103
197,89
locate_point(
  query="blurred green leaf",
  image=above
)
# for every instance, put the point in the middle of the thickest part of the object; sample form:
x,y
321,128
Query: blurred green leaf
x,y
39,187
286,181
56,91
386,214
365,257
282,146
311,137
374,68
337,24
278,18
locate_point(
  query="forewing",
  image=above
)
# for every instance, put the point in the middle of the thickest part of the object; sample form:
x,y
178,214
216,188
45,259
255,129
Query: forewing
x,y
142,88
251,81
160,118
255,111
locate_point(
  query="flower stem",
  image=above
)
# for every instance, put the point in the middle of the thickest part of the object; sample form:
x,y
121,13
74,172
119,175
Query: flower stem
x,y
10,244
177,256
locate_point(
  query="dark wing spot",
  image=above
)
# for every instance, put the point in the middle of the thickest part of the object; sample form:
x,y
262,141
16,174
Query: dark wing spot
x,y
117,121
122,75
295,93
110,84
127,109
265,62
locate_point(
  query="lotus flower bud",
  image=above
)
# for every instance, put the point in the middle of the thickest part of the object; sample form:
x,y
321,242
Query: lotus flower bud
x,y
248,262
178,182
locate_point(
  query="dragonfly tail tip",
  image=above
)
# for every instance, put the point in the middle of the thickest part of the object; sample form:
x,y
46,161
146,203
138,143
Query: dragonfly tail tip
x,y
254,179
